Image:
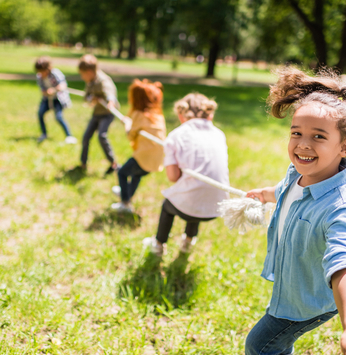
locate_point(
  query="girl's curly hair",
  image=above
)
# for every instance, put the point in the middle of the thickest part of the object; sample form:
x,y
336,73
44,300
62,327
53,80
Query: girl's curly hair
x,y
145,95
296,88
195,105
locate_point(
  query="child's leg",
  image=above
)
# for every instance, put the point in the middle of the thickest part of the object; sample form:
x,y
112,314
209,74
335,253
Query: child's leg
x,y
165,222
124,172
191,229
273,335
41,111
91,128
104,124
136,175
59,117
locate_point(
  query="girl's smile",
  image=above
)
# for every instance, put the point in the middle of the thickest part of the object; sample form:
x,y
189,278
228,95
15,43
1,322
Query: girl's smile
x,y
315,146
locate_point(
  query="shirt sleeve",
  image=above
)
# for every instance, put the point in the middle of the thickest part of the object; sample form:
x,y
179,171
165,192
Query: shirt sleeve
x,y
59,76
137,123
109,90
335,255
170,151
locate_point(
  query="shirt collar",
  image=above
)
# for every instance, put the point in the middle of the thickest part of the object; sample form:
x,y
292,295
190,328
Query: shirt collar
x,y
322,187
199,122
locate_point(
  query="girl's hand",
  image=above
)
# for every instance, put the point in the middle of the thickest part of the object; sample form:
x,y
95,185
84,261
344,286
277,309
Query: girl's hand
x,y
265,195
343,343
127,123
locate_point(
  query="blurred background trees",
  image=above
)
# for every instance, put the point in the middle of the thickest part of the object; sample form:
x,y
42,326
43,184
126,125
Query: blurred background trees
x,y
308,32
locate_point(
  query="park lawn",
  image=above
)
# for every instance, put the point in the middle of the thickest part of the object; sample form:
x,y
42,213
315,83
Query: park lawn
x,y
21,59
74,278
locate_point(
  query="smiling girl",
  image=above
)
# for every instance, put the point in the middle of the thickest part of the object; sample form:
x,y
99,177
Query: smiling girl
x,y
306,253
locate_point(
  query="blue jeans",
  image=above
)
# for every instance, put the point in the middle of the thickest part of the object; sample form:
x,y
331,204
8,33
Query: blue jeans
x,y
44,107
100,123
276,336
133,170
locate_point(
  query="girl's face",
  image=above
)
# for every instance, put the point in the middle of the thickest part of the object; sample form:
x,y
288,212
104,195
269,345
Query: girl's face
x,y
44,73
314,147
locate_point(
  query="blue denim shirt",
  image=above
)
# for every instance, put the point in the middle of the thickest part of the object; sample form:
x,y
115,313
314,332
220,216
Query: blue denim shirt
x,y
311,249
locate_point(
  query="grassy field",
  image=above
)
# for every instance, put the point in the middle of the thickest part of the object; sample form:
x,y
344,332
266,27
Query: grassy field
x,y
74,278
18,59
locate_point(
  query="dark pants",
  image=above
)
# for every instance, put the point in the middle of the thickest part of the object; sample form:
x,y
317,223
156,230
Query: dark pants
x,y
44,107
133,170
276,336
100,123
168,212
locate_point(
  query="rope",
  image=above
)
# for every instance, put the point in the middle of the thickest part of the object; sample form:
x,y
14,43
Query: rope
x,y
151,137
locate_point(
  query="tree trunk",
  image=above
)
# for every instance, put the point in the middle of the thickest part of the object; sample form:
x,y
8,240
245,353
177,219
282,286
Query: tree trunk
x,y
342,56
316,28
213,53
160,47
120,45
132,51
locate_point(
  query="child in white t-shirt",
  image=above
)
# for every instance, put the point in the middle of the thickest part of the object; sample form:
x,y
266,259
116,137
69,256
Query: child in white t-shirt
x,y
198,145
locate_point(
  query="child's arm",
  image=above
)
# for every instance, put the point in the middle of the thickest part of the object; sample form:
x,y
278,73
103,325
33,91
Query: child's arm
x,y
173,172
267,194
61,87
339,291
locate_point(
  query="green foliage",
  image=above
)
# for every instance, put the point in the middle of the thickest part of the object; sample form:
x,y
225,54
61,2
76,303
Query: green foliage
x,y
20,19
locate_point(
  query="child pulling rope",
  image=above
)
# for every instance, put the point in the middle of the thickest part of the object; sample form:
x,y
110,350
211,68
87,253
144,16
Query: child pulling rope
x,y
238,213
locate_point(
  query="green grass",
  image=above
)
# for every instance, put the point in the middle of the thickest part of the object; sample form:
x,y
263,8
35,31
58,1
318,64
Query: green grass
x,y
74,278
20,59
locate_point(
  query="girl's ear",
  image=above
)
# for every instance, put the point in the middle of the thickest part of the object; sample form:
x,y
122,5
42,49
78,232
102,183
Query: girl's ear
x,y
343,149
182,118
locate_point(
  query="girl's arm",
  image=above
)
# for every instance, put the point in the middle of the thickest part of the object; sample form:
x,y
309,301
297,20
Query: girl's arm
x,y
267,194
173,172
339,291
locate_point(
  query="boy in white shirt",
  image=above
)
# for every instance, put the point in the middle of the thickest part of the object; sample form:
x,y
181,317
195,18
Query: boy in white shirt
x,y
198,145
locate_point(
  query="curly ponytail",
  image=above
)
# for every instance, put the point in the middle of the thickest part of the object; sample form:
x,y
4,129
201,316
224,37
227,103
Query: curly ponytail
x,y
296,88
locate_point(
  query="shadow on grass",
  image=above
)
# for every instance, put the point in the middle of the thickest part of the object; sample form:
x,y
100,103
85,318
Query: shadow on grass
x,y
170,286
110,218
71,176
23,139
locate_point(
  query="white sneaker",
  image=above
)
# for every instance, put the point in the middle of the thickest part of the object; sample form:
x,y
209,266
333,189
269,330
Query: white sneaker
x,y
187,244
155,247
116,190
122,207
71,140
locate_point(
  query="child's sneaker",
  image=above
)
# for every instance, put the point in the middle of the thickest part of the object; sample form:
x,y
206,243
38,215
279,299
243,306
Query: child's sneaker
x,y
187,244
71,140
41,138
116,190
155,247
122,207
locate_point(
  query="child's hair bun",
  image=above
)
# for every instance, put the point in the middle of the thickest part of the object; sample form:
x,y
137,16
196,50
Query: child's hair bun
x,y
158,85
195,105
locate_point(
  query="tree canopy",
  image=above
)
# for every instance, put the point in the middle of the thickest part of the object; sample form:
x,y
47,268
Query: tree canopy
x,y
310,32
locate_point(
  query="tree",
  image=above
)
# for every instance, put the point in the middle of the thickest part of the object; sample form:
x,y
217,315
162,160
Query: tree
x,y
20,19
324,23
213,22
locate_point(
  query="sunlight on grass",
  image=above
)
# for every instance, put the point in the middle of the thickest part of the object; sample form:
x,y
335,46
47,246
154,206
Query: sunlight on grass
x,y
21,59
74,276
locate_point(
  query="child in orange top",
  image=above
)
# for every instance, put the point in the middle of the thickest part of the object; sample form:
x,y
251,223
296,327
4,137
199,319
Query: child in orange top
x,y
145,99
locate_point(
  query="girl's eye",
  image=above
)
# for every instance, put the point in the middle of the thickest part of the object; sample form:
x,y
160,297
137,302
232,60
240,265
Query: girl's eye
x,y
295,134
318,136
